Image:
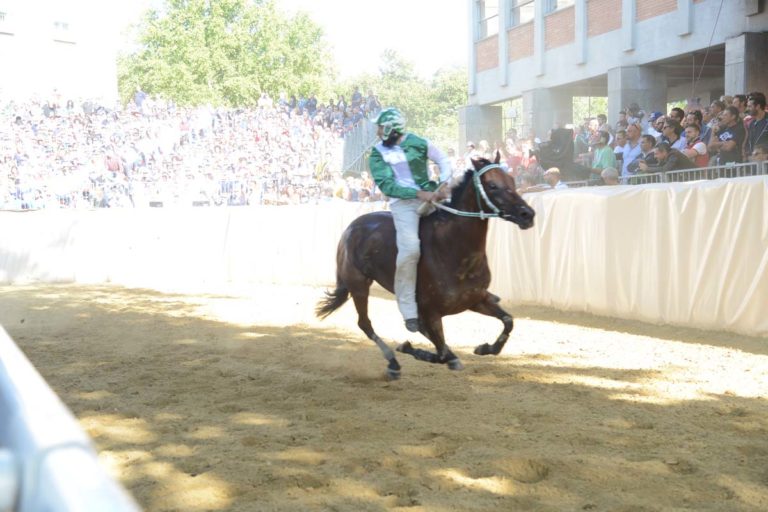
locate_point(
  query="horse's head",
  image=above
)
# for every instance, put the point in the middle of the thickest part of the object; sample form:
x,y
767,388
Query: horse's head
x,y
498,193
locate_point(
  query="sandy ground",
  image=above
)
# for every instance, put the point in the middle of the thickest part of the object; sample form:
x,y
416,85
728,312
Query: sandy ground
x,y
238,399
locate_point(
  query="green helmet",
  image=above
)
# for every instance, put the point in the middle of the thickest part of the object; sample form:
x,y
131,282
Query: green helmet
x,y
391,120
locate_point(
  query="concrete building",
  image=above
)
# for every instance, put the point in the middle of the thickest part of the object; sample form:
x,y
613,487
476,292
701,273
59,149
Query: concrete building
x,y
644,51
58,49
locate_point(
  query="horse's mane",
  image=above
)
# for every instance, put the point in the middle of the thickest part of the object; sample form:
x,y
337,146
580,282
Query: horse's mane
x,y
458,191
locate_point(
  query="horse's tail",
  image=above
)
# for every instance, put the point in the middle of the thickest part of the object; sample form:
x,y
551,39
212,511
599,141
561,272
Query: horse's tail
x,y
332,301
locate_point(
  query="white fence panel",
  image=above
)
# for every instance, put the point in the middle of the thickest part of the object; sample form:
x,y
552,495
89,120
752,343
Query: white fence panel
x,y
47,462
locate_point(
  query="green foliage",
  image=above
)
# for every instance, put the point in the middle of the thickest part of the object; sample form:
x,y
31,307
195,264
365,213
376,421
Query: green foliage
x,y
225,52
588,106
431,106
683,104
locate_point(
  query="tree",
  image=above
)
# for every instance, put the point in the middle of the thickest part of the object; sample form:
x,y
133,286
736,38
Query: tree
x,y
448,92
225,52
586,107
430,106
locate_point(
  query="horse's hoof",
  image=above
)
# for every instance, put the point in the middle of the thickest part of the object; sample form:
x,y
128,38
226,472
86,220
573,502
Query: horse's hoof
x,y
393,374
483,350
405,348
455,364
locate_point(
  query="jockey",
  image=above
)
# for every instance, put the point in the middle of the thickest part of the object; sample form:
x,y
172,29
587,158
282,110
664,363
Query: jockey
x,y
399,165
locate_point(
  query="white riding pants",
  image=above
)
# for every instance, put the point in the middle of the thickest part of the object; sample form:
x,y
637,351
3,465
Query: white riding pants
x,y
406,217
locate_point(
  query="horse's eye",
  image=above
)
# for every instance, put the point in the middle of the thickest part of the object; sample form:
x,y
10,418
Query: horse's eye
x,y
492,186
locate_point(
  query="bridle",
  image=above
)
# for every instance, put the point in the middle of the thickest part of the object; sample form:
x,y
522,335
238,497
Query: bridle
x,y
480,193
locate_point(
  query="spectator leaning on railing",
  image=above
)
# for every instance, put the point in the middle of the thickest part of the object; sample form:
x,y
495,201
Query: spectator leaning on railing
x,y
668,159
553,179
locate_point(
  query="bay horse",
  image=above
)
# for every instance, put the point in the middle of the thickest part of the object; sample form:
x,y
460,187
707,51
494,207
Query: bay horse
x,y
453,274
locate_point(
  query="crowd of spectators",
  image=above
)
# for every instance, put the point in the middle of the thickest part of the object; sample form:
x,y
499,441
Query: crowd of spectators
x,y
288,150
731,130
155,153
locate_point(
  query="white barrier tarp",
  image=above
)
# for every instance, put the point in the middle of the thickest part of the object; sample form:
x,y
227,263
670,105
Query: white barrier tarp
x,y
152,247
692,254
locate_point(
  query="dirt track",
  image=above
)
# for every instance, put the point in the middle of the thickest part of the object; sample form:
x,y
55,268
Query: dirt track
x,y
240,400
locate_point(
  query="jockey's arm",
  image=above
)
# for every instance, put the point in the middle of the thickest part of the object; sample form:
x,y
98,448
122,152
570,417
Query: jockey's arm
x,y
443,162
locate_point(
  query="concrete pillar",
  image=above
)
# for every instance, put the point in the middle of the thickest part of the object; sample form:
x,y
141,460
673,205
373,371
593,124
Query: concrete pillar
x,y
580,22
685,15
544,109
503,42
745,69
644,85
538,37
628,24
477,123
472,15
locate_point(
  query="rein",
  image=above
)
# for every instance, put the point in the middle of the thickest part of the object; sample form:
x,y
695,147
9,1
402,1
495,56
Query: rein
x,y
480,193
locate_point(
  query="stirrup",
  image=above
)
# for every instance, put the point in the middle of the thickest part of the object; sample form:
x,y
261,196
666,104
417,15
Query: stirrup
x,y
412,324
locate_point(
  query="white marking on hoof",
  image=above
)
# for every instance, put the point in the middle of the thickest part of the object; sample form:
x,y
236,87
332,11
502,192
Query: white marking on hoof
x,y
393,374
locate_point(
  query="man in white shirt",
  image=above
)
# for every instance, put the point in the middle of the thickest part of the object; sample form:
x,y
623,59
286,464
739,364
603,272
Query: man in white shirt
x,y
655,122
632,148
552,177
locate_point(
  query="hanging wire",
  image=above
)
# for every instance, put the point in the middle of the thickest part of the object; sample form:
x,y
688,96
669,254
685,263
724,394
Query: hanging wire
x,y
693,75
706,54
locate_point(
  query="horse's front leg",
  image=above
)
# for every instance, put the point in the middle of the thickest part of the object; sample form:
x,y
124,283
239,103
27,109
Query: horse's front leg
x,y
489,306
432,328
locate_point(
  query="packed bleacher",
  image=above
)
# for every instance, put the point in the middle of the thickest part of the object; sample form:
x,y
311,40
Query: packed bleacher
x,y
639,147
289,151
155,153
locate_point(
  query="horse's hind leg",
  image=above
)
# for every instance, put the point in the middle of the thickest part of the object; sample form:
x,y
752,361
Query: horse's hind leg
x,y
432,328
489,306
359,292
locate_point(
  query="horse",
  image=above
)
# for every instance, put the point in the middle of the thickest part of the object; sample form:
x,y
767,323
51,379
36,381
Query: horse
x,y
453,274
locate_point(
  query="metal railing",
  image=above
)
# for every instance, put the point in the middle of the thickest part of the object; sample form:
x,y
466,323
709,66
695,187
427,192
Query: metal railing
x,y
579,184
47,462
357,143
644,179
725,171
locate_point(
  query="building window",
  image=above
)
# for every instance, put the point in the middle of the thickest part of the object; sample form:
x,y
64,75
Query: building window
x,y
488,18
554,5
520,11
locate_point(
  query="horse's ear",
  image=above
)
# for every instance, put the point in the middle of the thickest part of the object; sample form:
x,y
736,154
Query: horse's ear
x,y
498,157
476,163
